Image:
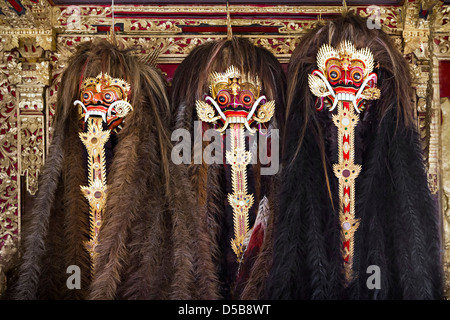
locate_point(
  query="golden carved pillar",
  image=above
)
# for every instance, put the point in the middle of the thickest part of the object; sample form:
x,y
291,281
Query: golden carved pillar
x,y
445,143
415,36
441,52
25,40
35,77
10,70
425,34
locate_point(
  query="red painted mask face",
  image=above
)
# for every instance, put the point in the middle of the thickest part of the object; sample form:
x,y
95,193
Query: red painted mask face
x,y
105,97
344,74
237,99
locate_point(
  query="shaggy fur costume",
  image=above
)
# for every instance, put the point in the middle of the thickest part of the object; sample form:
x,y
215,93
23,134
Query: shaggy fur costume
x,y
146,246
399,222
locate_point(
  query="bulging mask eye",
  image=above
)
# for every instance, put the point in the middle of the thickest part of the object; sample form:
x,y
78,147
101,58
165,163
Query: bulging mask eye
x,y
108,97
87,96
334,73
246,98
223,98
356,75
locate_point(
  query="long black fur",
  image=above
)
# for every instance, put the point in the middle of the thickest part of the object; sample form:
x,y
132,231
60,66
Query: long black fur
x,y
399,221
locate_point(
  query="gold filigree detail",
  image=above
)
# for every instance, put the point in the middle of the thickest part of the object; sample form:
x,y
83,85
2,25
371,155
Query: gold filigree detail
x,y
265,112
9,162
32,150
96,192
317,86
38,73
345,53
220,80
239,199
8,42
103,80
205,112
371,94
346,171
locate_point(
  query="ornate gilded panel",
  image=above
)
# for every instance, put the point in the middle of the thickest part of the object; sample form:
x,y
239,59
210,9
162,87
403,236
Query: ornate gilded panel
x,y
9,171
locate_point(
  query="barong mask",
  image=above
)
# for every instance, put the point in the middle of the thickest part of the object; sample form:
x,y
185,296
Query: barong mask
x,y
345,80
344,74
105,97
103,102
236,99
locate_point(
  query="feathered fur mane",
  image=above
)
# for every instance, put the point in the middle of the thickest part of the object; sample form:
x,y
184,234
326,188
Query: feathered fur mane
x,y
147,207
393,71
190,83
393,201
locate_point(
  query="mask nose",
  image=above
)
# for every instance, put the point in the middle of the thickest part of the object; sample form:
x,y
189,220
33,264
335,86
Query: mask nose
x,y
236,102
97,97
347,79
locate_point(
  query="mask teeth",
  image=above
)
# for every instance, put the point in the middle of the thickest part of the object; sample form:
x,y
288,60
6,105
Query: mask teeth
x,y
236,120
345,97
95,113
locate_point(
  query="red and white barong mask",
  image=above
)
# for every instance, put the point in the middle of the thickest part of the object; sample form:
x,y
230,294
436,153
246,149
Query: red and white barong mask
x,y
105,97
344,74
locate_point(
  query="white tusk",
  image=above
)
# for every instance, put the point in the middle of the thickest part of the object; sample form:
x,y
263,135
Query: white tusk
x,y
336,100
224,126
253,109
252,131
81,104
110,108
326,82
217,107
355,106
